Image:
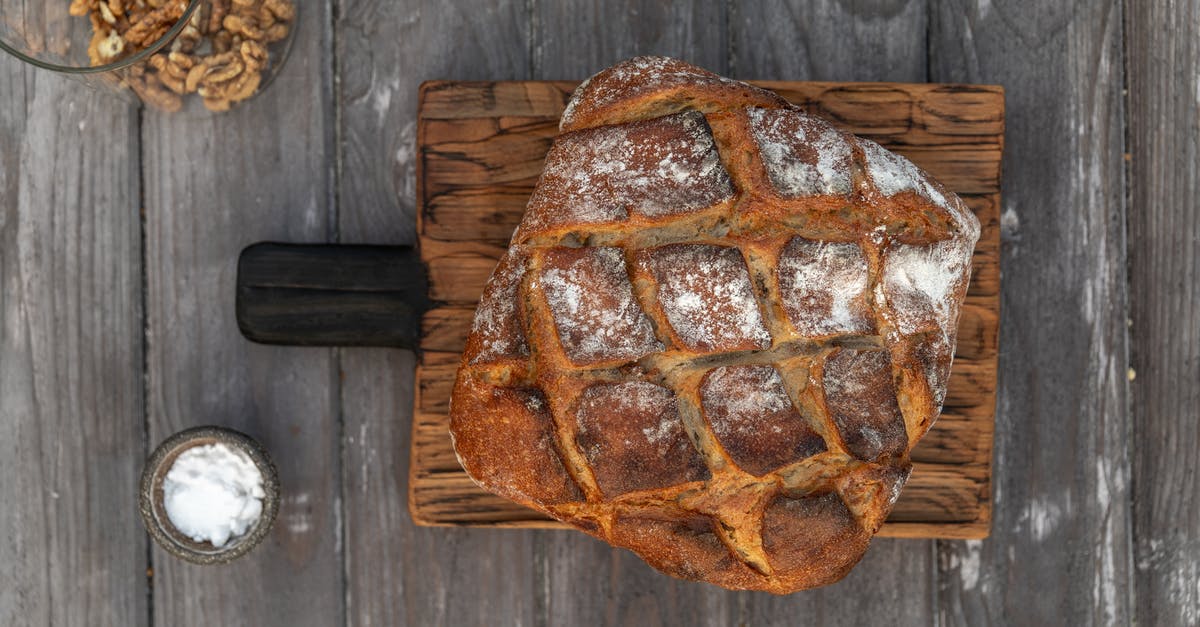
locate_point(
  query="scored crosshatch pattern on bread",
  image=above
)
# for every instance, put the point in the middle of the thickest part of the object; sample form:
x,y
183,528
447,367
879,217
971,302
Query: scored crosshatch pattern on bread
x,y
717,260
482,146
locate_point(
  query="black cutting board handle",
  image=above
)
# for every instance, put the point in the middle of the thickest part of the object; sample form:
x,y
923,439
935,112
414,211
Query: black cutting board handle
x,y
331,295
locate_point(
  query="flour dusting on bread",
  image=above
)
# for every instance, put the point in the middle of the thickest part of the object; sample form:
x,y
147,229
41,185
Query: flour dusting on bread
x,y
804,156
654,168
924,284
591,301
824,287
706,294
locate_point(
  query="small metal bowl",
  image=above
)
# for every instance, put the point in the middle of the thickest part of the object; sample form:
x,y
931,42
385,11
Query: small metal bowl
x,y
154,513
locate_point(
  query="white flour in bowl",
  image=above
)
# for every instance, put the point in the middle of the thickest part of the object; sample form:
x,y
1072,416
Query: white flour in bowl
x,y
213,493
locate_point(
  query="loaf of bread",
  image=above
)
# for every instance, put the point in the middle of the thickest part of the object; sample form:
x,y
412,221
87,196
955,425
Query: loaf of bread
x,y
718,332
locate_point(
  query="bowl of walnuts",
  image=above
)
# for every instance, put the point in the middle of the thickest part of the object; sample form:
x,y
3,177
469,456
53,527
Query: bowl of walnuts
x,y
172,55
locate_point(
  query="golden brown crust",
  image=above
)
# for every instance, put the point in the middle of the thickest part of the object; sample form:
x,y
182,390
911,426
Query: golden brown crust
x,y
649,87
720,330
527,468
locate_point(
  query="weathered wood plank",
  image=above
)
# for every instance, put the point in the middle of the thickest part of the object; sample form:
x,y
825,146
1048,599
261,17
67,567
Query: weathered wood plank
x,y
573,40
843,40
397,572
1062,500
71,406
1164,110
385,50
212,186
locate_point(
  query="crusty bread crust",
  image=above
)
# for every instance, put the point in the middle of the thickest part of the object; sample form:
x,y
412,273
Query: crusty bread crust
x,y
718,332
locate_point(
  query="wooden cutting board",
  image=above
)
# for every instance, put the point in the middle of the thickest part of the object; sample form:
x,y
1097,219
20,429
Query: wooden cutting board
x,y
481,150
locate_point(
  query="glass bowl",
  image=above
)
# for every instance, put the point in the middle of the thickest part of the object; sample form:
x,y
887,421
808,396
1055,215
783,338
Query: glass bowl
x,y
173,55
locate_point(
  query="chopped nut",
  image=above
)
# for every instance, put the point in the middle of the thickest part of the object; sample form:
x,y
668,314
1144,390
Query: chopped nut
x,y
199,72
182,61
158,62
106,13
195,75
265,18
244,26
166,67
283,10
80,8
244,86
222,42
187,41
98,23
151,92
98,39
220,8
112,46
254,55
173,83
226,72
278,32
155,24
234,90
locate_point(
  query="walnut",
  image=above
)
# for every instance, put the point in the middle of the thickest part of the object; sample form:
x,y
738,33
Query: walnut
x,y
111,47
181,60
246,26
220,8
254,55
106,13
235,90
264,18
199,72
99,38
80,8
151,91
173,83
156,23
223,72
187,41
234,33
283,10
222,41
278,32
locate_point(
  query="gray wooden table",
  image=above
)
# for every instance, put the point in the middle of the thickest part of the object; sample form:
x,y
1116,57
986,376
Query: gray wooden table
x,y
119,231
